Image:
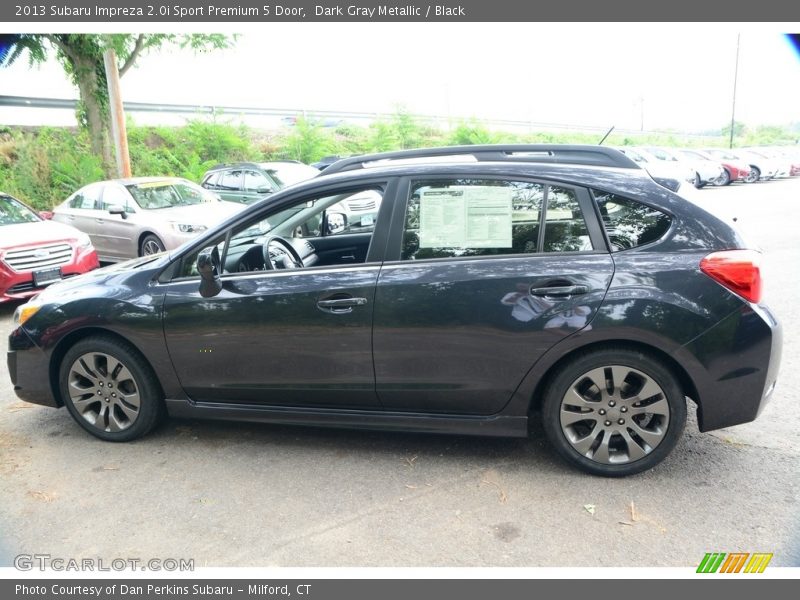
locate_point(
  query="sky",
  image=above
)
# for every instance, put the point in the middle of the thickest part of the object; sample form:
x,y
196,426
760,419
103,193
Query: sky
x,y
661,76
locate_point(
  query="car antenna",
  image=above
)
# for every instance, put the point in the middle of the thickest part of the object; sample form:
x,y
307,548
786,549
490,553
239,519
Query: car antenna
x,y
608,133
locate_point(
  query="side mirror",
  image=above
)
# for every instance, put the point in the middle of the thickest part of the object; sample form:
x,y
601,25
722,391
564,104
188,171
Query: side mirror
x,y
208,265
263,189
335,222
116,209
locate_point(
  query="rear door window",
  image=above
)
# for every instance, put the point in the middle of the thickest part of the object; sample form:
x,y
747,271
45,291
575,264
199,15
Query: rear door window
x,y
629,223
475,217
231,181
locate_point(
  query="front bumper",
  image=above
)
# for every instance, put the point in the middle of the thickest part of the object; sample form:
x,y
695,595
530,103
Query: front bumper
x,y
18,285
29,368
734,366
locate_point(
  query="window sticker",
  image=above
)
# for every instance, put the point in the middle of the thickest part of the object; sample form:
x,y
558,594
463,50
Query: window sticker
x,y
465,217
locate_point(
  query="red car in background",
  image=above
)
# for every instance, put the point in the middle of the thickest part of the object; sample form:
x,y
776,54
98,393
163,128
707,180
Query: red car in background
x,y
735,168
35,253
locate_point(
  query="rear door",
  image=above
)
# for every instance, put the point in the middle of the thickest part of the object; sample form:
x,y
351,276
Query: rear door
x,y
230,186
475,289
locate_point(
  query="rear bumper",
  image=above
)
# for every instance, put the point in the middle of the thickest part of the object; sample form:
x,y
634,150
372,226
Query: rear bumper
x,y
734,366
27,363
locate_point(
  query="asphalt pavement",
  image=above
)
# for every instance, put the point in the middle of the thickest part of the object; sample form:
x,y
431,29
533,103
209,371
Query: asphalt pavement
x,y
227,494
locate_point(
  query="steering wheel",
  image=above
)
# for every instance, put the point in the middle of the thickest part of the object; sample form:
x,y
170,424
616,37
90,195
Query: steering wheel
x,y
286,257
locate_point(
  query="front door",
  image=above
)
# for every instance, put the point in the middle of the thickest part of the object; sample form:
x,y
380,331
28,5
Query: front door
x,y
294,337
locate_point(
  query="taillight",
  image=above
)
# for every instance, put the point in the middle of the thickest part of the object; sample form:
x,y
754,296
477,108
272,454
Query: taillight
x,y
737,270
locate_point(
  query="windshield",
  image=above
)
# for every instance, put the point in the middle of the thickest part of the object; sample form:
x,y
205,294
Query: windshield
x,y
14,212
289,173
168,194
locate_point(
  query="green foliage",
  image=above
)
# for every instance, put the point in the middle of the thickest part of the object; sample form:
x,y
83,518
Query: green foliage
x,y
472,132
308,142
45,165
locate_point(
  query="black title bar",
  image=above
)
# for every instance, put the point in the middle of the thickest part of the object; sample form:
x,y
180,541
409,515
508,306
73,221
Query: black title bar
x,y
246,11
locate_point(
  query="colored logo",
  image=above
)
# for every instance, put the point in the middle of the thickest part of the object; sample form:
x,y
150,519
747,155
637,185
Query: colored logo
x,y
734,562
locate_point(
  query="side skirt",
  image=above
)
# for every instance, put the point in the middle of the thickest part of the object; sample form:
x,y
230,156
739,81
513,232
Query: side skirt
x,y
497,426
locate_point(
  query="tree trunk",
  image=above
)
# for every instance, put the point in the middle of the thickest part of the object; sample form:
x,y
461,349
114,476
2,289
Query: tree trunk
x,y
92,89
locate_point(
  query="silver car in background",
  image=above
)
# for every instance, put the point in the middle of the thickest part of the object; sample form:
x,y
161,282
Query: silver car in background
x,y
127,218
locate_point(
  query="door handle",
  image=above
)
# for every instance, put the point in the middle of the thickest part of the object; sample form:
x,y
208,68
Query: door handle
x,y
101,221
340,305
559,291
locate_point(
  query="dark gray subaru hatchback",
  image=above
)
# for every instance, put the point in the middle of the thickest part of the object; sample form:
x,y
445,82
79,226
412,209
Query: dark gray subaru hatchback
x,y
456,290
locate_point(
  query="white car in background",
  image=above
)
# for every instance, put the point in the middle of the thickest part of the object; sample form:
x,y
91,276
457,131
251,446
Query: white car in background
x,y
706,168
783,166
762,168
660,170
669,156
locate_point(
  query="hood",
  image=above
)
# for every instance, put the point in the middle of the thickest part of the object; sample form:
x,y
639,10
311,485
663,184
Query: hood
x,y
35,234
104,282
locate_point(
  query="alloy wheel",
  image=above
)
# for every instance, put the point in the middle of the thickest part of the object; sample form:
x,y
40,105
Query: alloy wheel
x,y
614,414
104,392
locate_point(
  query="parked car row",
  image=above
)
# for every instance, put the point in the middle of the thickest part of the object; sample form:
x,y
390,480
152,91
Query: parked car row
x,y
718,166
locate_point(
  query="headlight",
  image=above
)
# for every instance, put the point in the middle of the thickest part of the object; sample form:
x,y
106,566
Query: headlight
x,y
188,227
26,311
84,241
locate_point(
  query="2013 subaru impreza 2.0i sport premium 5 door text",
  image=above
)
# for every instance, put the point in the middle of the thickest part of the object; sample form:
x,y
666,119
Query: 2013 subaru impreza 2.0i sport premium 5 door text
x,y
495,285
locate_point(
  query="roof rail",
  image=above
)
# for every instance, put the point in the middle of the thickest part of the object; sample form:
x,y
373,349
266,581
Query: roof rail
x,y
601,156
239,164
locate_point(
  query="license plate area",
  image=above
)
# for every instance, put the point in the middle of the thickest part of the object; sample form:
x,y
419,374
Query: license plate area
x,y
46,277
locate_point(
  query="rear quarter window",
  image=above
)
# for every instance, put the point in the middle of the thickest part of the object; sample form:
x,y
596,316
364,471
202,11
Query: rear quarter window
x,y
629,223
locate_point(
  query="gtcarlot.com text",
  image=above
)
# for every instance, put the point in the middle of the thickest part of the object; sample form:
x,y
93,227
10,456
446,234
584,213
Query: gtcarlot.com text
x,y
42,562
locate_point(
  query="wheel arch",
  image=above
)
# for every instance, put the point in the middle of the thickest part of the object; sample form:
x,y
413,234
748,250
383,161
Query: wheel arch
x,y
72,338
684,380
143,235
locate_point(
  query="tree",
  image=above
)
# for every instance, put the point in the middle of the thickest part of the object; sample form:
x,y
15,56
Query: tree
x,y
81,56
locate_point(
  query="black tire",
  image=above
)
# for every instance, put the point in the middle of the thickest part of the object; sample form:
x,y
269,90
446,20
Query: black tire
x,y
628,452
724,179
102,402
698,183
150,245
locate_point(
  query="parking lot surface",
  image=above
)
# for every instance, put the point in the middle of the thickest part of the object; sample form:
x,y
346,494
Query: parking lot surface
x,y
229,494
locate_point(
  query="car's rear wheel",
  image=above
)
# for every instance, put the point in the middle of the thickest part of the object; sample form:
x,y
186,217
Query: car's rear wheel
x,y
110,390
614,412
150,245
753,176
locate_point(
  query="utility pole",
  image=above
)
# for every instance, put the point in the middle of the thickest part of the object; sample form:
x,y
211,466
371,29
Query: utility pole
x,y
118,129
735,78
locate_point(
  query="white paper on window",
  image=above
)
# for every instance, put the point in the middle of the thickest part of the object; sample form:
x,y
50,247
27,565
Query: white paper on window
x,y
465,217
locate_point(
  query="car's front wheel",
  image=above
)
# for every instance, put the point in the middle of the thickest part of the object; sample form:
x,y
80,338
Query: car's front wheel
x,y
110,390
698,182
614,412
150,245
